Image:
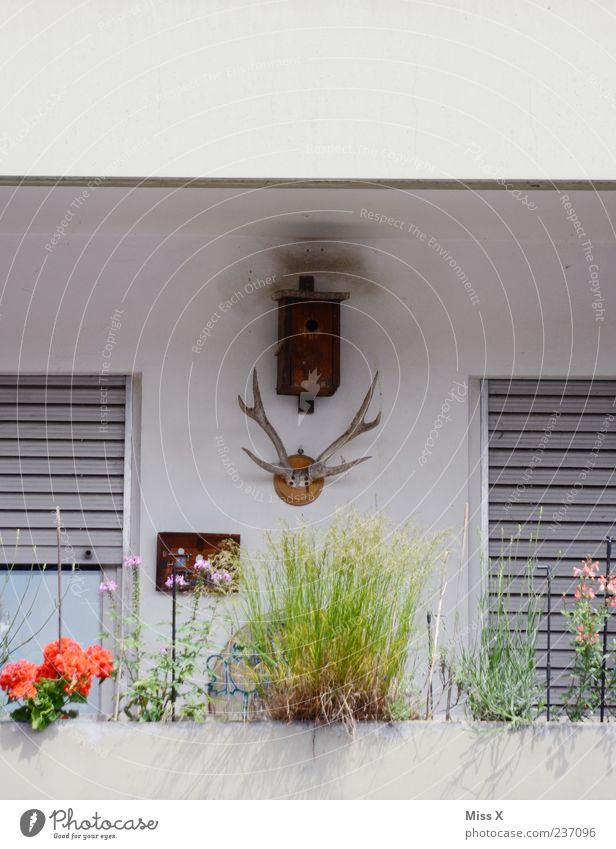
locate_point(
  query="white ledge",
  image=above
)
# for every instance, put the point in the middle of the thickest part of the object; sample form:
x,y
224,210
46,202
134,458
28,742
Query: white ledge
x,y
84,759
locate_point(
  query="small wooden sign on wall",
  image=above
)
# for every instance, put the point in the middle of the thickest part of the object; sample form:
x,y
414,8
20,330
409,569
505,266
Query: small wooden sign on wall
x,y
186,548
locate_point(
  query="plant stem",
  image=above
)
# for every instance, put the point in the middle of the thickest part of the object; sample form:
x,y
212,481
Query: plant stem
x,y
116,713
173,635
59,558
608,558
431,667
434,645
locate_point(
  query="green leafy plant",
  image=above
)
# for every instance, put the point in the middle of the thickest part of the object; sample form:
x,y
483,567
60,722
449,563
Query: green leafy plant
x,y
48,705
406,704
585,622
161,682
498,675
611,680
332,617
151,697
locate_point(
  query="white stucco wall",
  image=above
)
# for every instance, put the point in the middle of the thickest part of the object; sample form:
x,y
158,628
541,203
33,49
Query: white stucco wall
x,y
464,89
409,316
263,760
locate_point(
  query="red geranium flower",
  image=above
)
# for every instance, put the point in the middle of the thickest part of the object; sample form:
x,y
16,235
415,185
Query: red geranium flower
x,y
65,675
74,666
52,650
17,679
70,663
64,661
101,661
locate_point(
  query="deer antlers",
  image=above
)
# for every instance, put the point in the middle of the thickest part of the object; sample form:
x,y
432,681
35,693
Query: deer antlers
x,y
257,414
319,468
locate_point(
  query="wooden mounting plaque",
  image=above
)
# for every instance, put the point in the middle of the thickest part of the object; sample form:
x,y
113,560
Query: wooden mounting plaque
x,y
295,496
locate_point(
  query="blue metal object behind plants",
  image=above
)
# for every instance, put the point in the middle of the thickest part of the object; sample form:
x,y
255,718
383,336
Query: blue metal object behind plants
x,y
225,669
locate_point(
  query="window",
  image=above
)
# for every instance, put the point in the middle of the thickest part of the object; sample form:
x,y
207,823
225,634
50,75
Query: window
x,y
552,484
62,444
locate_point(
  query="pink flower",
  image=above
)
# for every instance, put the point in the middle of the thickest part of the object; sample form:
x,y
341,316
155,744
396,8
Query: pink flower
x,y
608,585
221,576
202,565
589,569
132,561
107,587
180,581
586,636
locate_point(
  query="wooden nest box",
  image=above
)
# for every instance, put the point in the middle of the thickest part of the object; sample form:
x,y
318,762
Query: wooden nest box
x,y
308,342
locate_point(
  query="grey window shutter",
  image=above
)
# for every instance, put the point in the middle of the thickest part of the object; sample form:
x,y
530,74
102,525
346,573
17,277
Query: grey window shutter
x,y
62,444
552,485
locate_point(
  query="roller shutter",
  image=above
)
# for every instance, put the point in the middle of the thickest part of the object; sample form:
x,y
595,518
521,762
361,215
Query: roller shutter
x,y
62,444
552,483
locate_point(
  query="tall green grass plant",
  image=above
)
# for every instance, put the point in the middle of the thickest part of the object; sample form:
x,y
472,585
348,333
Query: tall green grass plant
x,y
332,617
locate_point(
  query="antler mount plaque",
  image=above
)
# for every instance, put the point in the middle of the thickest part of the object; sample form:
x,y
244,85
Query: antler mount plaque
x,y
299,479
298,496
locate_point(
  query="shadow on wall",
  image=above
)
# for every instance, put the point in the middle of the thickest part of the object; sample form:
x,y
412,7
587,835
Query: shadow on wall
x,y
268,760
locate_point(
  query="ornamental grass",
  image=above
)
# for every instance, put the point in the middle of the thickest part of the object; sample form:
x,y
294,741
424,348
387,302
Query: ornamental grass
x,y
332,617
499,673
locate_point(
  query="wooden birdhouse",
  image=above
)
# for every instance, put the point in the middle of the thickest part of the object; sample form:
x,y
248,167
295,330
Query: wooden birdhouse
x,y
308,342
